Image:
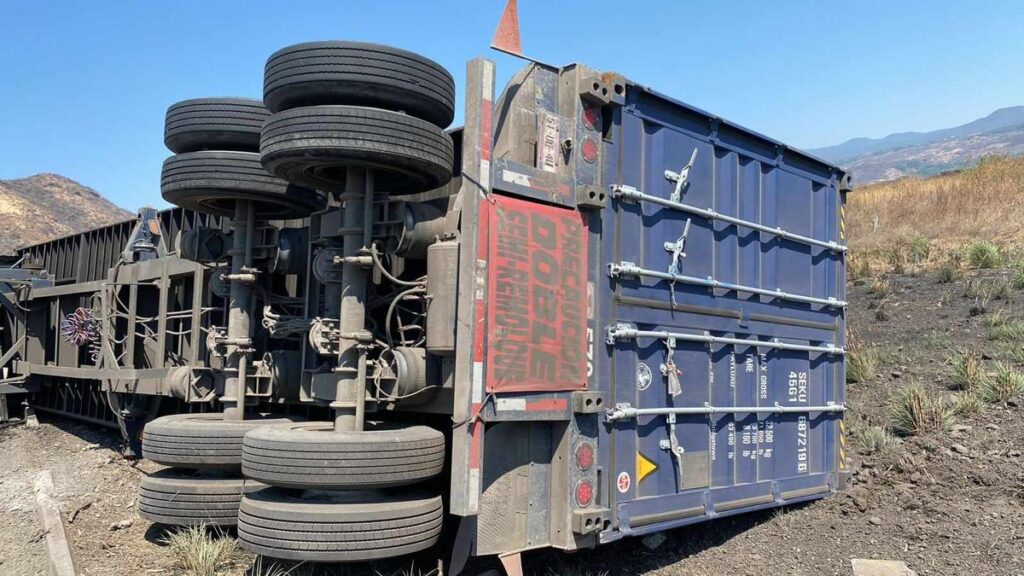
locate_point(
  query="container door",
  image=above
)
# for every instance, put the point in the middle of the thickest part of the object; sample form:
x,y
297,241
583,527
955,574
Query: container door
x,y
736,328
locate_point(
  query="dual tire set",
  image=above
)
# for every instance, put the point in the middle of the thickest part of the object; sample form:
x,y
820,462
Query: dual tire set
x,y
303,490
327,107
297,490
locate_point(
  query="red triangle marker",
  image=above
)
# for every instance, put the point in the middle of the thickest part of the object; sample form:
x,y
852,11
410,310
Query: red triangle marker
x,y
506,37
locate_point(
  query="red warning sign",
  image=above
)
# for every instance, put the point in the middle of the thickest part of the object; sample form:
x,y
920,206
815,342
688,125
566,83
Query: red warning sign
x,y
537,298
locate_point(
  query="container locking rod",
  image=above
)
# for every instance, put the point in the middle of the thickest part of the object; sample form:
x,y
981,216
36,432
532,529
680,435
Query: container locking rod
x,y
630,269
630,193
627,332
628,412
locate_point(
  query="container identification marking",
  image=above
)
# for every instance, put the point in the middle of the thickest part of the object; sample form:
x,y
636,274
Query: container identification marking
x,y
547,149
801,444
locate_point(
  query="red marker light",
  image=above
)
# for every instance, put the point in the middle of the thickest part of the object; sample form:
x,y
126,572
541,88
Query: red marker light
x,y
585,456
589,150
584,493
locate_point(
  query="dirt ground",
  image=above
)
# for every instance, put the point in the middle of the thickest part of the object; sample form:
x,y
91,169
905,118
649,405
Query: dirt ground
x,y
945,504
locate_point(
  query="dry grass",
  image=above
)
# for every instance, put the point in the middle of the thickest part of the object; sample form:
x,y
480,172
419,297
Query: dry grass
x,y
263,566
941,213
968,403
1007,331
1004,385
198,552
861,364
874,439
968,370
915,410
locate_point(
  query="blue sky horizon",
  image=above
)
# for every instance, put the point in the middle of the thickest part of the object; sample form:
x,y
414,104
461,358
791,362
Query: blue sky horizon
x,y
84,86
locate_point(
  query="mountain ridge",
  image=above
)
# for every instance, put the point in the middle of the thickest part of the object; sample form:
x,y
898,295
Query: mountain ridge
x,y
49,205
1000,119
903,154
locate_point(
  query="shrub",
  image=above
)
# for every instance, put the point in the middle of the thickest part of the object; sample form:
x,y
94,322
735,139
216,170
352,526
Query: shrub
x,y
1005,384
968,371
875,439
861,364
913,410
983,254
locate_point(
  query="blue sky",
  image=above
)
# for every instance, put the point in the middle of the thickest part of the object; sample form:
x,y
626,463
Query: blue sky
x,y
84,85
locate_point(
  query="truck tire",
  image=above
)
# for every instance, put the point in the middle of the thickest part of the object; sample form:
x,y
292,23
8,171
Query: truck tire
x,y
199,441
211,182
338,526
312,455
359,74
189,498
315,145
215,124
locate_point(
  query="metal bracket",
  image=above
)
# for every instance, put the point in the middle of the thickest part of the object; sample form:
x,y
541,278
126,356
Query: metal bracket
x,y
587,521
672,445
595,90
681,177
587,402
590,197
678,250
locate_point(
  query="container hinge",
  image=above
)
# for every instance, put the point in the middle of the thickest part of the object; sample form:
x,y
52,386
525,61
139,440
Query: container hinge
x,y
624,268
680,178
672,445
617,332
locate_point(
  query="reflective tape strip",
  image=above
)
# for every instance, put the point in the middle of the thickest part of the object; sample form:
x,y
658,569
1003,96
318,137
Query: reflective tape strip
x,y
842,444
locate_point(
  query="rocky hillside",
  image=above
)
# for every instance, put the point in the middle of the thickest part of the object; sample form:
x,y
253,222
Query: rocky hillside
x,y
45,206
928,153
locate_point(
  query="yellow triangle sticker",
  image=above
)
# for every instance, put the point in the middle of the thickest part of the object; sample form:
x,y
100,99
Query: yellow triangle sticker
x,y
644,467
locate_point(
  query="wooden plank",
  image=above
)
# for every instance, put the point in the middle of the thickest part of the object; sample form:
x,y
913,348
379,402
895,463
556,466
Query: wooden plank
x,y
61,562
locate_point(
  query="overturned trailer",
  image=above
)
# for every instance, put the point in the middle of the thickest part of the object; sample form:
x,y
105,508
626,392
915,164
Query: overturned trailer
x,y
591,312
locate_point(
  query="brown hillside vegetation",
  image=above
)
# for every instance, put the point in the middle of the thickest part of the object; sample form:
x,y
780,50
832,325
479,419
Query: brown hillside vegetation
x,y
985,202
46,206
